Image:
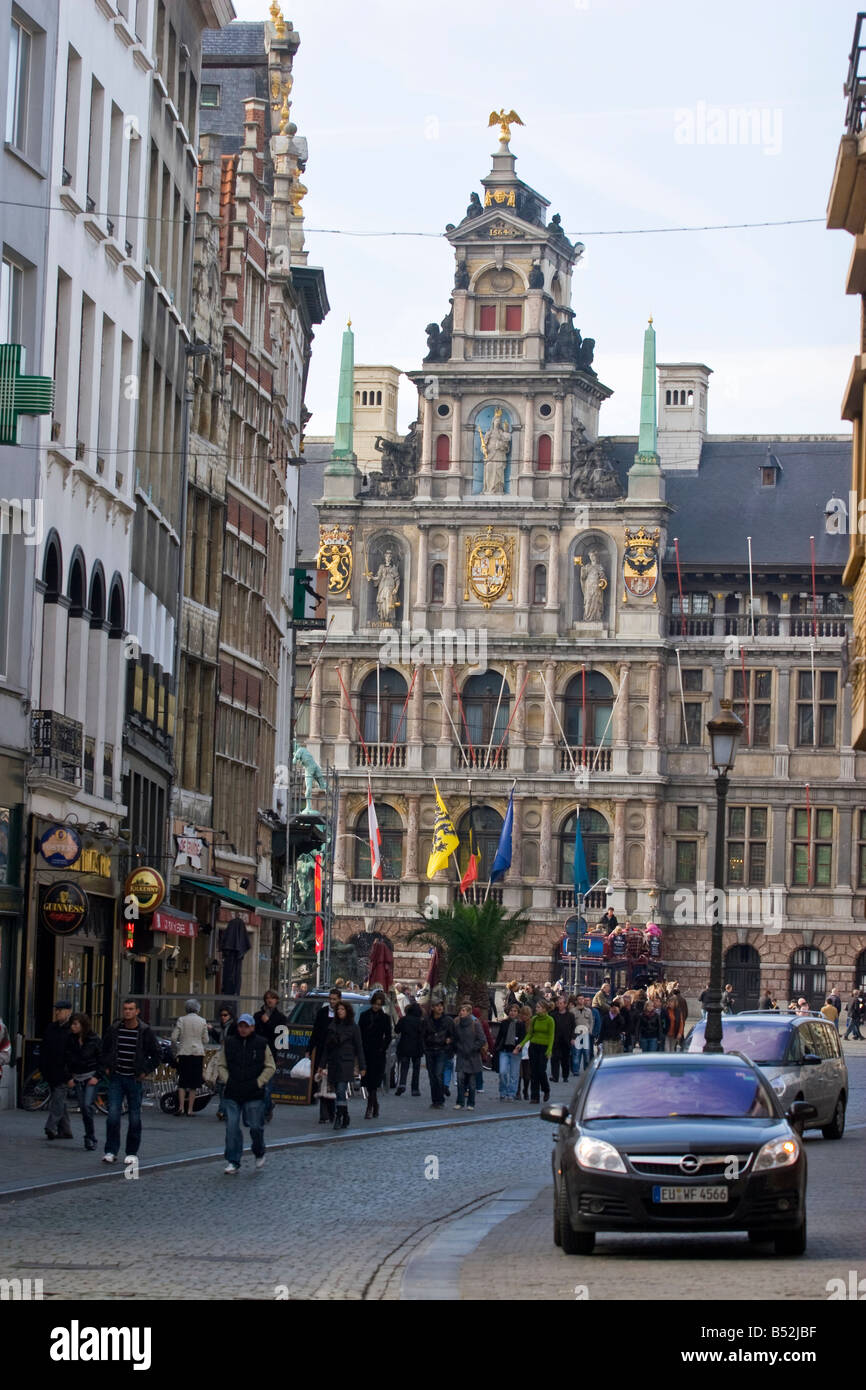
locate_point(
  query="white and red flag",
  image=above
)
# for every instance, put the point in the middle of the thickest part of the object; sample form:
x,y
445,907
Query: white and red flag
x,y
375,837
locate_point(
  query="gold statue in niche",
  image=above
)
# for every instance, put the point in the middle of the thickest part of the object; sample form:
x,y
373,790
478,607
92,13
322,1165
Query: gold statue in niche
x,y
505,122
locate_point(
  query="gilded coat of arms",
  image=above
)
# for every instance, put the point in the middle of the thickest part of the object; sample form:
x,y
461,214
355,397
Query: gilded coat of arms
x,y
640,563
488,566
335,556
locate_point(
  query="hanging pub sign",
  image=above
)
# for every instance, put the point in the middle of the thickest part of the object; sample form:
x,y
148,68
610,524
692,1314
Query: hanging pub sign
x,y
147,886
60,846
63,908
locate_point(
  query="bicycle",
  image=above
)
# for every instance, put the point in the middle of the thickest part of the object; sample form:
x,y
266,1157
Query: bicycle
x,y
36,1093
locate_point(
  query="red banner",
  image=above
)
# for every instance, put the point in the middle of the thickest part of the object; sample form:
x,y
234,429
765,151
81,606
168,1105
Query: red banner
x,y
165,920
317,887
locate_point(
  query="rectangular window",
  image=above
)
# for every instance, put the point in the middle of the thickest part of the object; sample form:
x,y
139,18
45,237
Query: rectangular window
x,y
754,692
747,845
11,287
687,861
94,147
210,94
821,843
687,818
18,85
73,107
693,681
816,700
691,729
513,318
487,318
696,604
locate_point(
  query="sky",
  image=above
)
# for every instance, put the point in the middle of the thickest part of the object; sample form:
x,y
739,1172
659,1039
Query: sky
x,y
637,116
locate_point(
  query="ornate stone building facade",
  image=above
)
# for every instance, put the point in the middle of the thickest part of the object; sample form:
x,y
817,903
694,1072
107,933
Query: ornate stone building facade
x,y
517,600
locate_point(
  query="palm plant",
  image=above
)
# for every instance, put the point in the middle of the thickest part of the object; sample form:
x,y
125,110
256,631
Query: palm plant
x,y
472,941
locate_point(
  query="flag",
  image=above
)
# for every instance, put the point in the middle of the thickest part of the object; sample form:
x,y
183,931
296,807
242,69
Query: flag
x,y
581,877
502,857
471,872
445,839
375,836
317,902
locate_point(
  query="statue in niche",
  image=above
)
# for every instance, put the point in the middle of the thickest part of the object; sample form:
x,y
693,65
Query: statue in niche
x,y
461,277
495,448
474,209
536,277
593,582
387,582
593,471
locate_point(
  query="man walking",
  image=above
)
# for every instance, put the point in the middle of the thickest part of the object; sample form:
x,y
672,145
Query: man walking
x,y
438,1036
130,1050
855,1017
268,1019
601,1000
246,1065
563,1036
835,998
52,1053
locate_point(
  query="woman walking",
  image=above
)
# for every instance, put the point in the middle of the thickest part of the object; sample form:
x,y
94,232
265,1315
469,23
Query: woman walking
x,y
509,1044
83,1050
190,1035
539,1035
469,1043
410,1047
343,1053
375,1029
523,1080
651,1029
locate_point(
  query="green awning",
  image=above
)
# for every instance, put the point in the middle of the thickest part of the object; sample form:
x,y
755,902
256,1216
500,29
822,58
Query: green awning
x,y
227,895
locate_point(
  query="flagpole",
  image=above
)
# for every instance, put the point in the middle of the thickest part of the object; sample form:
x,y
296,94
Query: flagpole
x,y
751,589
370,837
378,707
490,880
495,717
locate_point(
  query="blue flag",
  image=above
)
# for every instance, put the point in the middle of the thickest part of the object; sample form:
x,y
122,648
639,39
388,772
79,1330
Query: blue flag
x,y
502,858
581,877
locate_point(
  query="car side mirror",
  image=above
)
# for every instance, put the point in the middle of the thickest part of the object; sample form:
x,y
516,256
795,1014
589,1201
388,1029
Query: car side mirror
x,y
555,1114
801,1110
810,1060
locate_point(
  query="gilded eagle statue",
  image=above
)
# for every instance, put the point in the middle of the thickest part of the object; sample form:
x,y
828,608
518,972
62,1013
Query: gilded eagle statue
x,y
505,122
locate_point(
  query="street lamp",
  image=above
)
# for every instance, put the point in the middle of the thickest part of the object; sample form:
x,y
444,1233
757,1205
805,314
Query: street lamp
x,y
724,730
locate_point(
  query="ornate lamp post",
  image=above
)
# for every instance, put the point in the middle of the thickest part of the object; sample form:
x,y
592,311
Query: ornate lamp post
x,y
724,730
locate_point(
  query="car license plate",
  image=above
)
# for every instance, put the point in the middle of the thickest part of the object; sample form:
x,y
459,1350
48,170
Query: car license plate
x,y
690,1194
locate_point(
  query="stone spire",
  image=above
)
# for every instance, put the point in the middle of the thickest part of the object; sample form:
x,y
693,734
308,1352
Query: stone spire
x,y
341,472
645,477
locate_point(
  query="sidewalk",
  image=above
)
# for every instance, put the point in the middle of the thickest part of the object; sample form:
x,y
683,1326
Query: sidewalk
x,y
30,1163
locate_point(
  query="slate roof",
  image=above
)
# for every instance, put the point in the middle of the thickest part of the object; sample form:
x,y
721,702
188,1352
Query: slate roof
x,y
311,486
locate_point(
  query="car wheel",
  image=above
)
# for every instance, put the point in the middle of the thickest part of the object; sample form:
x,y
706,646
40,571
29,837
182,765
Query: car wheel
x,y
573,1242
791,1242
836,1128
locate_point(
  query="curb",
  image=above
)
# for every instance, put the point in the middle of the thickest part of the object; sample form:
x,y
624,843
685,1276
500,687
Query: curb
x,y
10,1194
433,1274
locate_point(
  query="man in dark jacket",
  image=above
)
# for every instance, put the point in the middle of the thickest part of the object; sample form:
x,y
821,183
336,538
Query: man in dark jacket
x,y
410,1048
438,1036
130,1050
246,1065
268,1019
563,1037
52,1063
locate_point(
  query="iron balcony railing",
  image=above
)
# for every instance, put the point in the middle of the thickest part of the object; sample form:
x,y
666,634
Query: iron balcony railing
x,y
58,744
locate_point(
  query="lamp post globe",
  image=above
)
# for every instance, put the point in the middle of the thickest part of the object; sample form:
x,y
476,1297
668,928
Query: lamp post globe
x,y
725,730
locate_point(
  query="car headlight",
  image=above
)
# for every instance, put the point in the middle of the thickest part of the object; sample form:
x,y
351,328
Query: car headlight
x,y
595,1153
779,1153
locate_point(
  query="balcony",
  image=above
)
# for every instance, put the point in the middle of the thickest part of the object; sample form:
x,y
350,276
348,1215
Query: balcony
x,y
779,625
477,892
58,745
484,759
494,349
593,902
385,892
590,760
381,755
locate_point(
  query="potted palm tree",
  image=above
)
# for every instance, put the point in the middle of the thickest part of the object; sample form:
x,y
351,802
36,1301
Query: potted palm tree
x,y
472,941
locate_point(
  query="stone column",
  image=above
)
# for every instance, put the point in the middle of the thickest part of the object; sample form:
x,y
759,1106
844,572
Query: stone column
x,y
449,612
425,470
76,668
413,821
316,702
518,729
525,483
415,722
421,578
546,866
454,483
521,608
54,630
553,571
516,871
347,725
341,841
653,707
446,734
783,707
620,719
549,721
651,842
617,873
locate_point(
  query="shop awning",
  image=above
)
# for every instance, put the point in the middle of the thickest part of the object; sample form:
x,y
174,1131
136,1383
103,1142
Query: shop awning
x,y
176,921
227,895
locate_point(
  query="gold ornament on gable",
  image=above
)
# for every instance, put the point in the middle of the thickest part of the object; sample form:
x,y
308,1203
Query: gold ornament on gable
x,y
489,564
505,122
499,195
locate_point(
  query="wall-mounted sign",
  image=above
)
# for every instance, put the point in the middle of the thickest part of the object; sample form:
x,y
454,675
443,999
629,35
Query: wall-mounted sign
x,y
190,849
169,921
60,846
63,908
147,886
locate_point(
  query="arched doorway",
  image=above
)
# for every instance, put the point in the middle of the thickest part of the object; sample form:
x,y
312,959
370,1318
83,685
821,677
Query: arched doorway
x,y
809,976
743,971
486,829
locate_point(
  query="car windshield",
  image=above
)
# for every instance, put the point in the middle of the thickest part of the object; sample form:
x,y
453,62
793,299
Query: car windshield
x,y
763,1043
660,1092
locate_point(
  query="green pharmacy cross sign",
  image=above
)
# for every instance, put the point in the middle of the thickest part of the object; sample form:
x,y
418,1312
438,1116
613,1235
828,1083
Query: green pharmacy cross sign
x,y
20,395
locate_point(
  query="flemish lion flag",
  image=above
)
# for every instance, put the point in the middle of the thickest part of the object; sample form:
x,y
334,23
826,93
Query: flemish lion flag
x,y
445,839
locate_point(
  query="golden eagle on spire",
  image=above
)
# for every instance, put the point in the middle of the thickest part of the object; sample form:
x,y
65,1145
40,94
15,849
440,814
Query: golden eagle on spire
x,y
505,122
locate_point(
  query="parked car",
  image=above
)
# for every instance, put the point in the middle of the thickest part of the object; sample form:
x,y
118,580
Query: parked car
x,y
799,1054
304,1012
678,1142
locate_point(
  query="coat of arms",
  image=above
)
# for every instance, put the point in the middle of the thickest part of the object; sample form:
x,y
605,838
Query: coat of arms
x,y
488,566
335,556
640,563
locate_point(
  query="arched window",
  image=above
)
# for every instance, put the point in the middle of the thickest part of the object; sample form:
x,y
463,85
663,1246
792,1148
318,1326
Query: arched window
x,y
381,707
391,831
437,584
667,397
539,585
52,569
443,453
742,969
809,976
486,829
378,397
543,454
594,697
486,710
595,833
357,398
115,607
77,586
96,602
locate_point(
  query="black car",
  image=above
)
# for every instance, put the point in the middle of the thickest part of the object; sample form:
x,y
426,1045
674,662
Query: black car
x,y
678,1142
